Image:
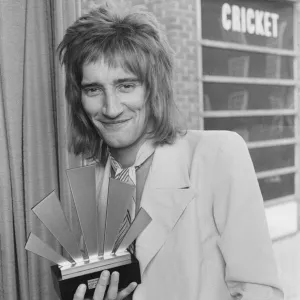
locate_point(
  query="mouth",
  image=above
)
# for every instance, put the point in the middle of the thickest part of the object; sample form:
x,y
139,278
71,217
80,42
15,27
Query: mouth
x,y
114,124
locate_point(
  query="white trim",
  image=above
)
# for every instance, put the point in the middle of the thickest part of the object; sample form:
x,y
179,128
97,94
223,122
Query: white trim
x,y
280,200
248,113
293,233
248,48
272,143
248,80
275,172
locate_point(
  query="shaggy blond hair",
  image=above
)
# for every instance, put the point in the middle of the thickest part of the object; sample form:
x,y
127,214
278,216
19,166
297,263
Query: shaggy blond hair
x,y
130,38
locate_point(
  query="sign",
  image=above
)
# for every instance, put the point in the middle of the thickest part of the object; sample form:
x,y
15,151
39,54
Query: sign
x,y
242,19
258,23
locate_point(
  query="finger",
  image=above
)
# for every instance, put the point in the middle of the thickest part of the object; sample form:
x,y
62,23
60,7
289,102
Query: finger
x,y
112,292
128,290
101,285
80,292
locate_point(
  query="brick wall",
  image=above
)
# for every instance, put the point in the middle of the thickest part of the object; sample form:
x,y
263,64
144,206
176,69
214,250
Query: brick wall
x,y
179,20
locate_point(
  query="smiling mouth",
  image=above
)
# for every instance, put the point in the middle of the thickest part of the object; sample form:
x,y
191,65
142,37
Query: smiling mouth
x,y
119,122
115,122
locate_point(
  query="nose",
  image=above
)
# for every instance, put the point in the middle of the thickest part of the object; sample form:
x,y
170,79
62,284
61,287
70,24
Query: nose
x,y
112,107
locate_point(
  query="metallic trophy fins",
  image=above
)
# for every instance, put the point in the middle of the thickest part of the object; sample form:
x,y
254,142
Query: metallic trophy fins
x,y
99,240
140,222
37,246
119,197
50,212
83,186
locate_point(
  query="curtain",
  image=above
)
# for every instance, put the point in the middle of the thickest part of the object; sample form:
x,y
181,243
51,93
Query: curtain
x,y
33,138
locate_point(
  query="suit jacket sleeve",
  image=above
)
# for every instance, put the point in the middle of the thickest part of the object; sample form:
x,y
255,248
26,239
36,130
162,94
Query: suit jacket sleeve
x,y
250,269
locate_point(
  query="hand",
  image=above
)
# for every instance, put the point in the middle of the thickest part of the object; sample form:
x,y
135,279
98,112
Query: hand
x,y
112,292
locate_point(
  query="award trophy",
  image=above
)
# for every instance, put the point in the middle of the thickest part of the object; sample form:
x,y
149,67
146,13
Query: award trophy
x,y
100,227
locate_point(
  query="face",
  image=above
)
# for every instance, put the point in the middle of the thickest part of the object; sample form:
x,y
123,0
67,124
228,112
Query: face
x,y
115,102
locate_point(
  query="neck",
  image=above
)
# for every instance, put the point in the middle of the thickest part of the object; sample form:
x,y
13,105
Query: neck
x,y
126,156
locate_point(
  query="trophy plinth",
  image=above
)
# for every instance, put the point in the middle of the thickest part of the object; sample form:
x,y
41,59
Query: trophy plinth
x,y
68,278
99,234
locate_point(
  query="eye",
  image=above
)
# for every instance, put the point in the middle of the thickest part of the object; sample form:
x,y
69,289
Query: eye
x,y
92,91
127,87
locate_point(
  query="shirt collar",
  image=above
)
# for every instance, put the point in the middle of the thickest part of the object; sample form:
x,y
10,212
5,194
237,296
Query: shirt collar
x,y
145,151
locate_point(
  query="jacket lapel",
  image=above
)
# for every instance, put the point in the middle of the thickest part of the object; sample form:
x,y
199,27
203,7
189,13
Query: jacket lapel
x,y
166,194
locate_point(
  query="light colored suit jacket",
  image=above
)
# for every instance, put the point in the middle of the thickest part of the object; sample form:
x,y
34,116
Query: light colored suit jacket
x,y
208,239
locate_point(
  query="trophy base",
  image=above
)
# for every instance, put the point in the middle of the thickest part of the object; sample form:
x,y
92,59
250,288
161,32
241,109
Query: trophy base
x,y
65,288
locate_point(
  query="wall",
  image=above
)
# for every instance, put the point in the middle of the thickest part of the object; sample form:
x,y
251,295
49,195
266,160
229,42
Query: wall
x,y
287,254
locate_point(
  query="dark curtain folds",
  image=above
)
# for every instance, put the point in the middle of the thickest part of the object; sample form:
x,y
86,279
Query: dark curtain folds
x,y
33,138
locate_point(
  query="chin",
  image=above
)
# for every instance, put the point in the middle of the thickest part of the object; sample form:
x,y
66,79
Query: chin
x,y
118,144
124,140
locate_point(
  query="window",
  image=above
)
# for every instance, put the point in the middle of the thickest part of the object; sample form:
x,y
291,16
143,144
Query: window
x,y
248,82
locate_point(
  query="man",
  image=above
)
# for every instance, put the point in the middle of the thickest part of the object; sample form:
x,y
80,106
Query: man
x,y
208,238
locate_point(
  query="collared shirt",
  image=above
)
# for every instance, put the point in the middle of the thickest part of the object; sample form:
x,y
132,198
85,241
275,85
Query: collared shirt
x,y
143,162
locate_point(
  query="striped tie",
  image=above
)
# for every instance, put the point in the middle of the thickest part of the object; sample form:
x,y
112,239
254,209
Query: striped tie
x,y
128,175
123,175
